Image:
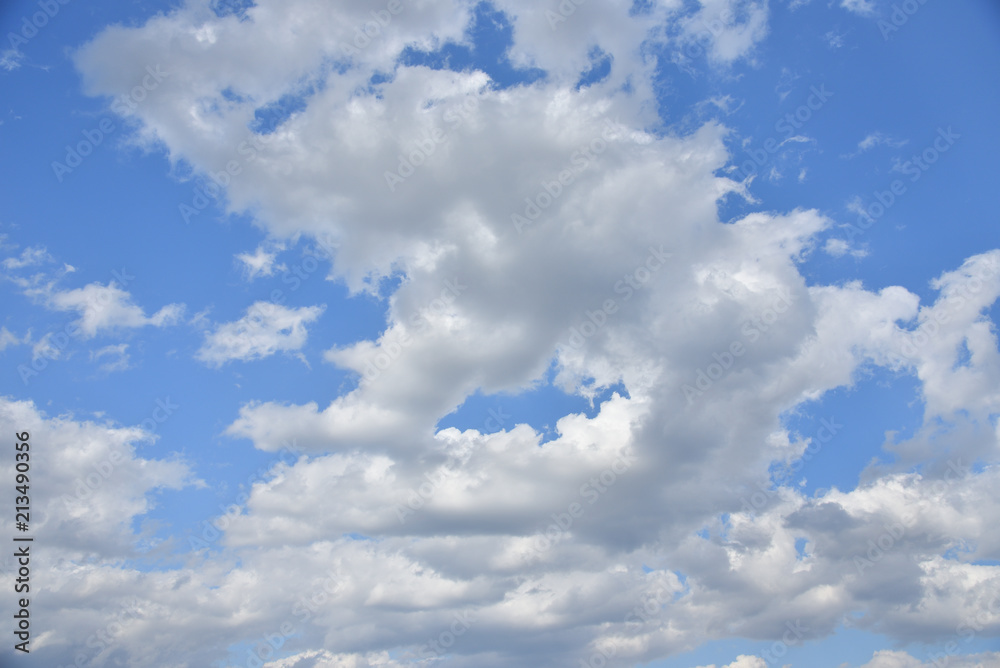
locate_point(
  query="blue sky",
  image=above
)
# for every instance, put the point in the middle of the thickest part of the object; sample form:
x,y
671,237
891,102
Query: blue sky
x,y
197,334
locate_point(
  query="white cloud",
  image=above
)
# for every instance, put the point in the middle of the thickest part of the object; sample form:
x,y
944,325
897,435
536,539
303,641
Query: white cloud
x,y
743,661
108,308
95,488
102,308
956,321
45,348
265,330
325,659
834,39
29,257
863,7
873,140
118,357
94,485
7,339
665,295
839,248
731,29
896,659
261,262
11,59
878,139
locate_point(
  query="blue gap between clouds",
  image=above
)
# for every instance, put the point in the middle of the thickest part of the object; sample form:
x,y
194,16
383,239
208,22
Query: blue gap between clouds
x,y
231,95
964,357
600,68
491,35
540,408
641,7
280,378
270,117
883,401
227,464
800,547
223,8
